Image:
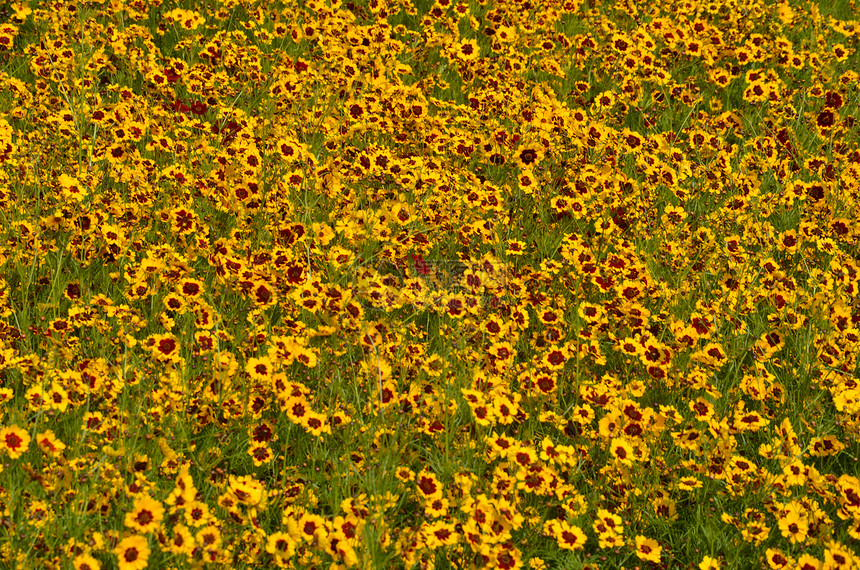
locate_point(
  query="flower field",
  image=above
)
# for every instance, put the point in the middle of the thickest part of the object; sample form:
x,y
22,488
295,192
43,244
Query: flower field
x,y
416,284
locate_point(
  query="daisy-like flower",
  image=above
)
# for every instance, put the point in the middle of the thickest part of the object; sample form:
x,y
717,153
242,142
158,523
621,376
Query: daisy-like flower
x,y
648,549
263,294
174,302
527,156
281,545
86,562
808,562
793,524
259,369
182,541
437,508
132,553
165,348
516,247
308,528
622,451
49,444
296,408
248,491
58,397
429,486
71,188
568,536
467,50
190,288
316,424
440,533
545,384
777,559
146,516
527,180
209,538
14,441
197,514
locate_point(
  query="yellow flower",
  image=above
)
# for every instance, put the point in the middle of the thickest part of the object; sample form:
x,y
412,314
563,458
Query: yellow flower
x,y
622,451
197,513
132,552
648,549
847,401
793,524
182,541
86,562
248,491
467,50
146,516
209,538
259,369
282,545
49,444
516,247
14,440
568,536
71,188
440,533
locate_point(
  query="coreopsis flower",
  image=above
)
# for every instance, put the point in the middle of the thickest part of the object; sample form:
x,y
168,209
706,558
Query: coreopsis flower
x,y
165,347
793,523
316,424
808,562
132,553
14,441
281,545
72,189
248,491
190,289
182,541
259,369
197,514
50,444
436,508
567,536
428,486
86,562
776,559
516,247
209,538
308,528
648,549
467,50
440,533
622,451
145,516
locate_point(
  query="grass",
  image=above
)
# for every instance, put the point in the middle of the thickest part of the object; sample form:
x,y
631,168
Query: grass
x,y
429,285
